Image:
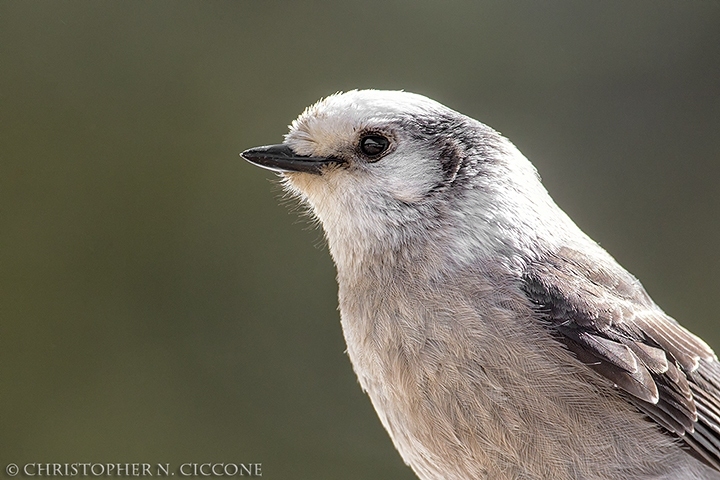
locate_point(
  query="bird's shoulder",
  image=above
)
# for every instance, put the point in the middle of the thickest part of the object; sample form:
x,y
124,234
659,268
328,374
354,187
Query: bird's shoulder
x,y
602,314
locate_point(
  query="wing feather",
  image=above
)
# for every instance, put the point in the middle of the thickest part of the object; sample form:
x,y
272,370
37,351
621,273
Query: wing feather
x,y
604,316
653,358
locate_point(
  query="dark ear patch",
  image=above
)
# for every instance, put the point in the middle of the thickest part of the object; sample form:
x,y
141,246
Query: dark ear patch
x,y
451,158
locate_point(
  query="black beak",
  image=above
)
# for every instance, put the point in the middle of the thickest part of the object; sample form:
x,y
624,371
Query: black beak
x,y
280,158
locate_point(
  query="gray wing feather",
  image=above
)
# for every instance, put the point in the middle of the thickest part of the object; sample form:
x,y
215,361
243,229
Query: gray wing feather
x,y
604,316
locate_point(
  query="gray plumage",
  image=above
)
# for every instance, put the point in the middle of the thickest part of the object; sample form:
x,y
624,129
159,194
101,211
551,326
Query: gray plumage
x,y
494,338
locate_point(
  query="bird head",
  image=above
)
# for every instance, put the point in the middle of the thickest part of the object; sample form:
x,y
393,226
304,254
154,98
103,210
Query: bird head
x,y
383,169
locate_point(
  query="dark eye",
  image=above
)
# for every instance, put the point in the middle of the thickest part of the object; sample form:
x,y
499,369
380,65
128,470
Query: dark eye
x,y
373,146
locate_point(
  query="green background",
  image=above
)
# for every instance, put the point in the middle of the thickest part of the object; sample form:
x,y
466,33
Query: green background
x,y
159,301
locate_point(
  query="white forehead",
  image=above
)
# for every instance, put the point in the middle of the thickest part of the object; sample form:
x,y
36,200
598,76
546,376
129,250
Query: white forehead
x,y
336,120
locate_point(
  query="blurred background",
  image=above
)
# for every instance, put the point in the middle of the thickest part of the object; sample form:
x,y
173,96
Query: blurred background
x,y
159,301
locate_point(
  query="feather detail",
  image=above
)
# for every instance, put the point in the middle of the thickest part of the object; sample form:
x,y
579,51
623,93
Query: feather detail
x,y
611,325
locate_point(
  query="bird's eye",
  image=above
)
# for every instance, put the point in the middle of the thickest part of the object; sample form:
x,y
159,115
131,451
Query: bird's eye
x,y
372,146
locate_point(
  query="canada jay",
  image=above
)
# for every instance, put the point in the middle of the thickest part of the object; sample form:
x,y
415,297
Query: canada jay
x,y
494,338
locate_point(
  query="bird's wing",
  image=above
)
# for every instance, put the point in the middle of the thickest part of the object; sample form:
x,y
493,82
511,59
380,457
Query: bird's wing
x,y
605,317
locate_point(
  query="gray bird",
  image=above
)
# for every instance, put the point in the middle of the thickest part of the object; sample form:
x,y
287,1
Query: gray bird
x,y
494,338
